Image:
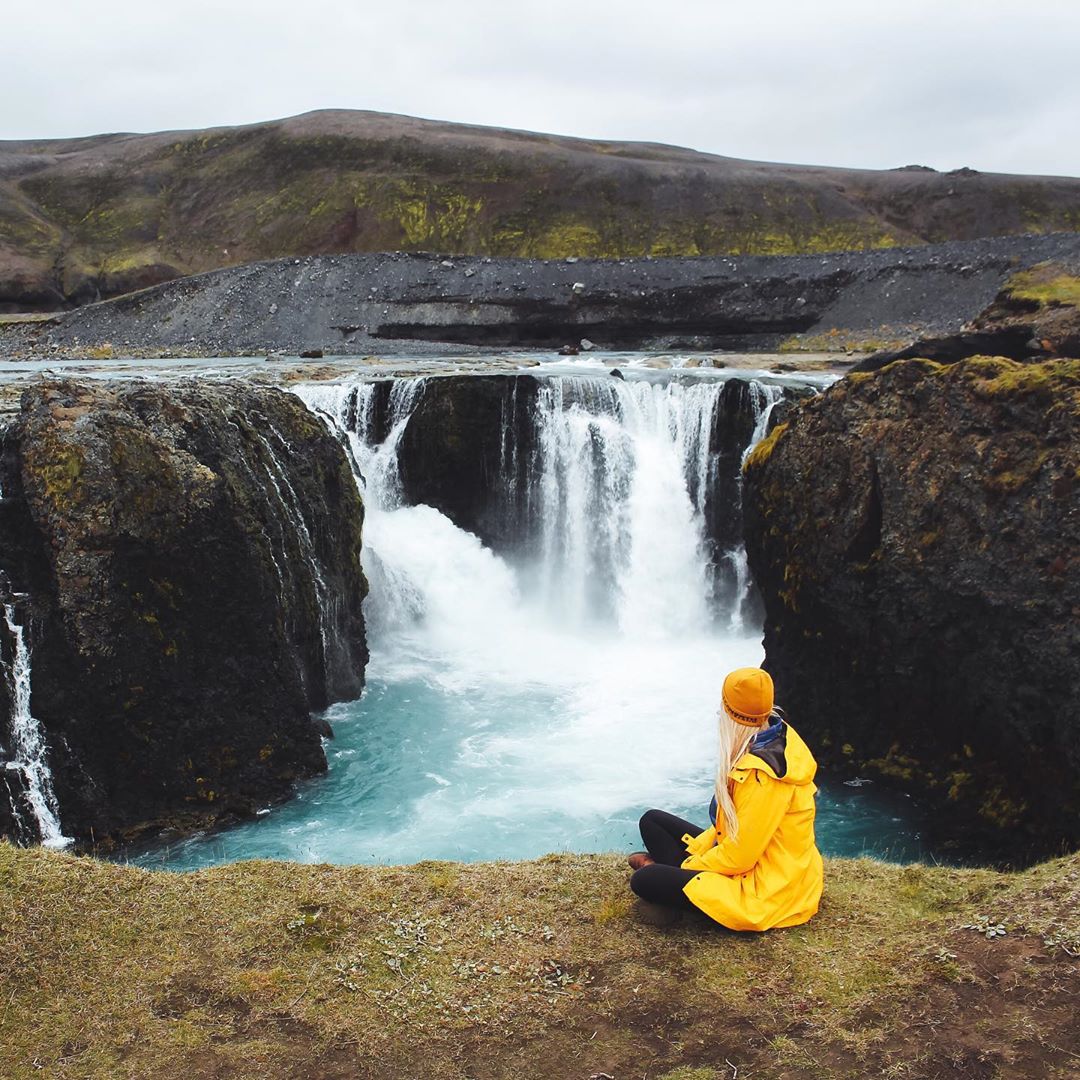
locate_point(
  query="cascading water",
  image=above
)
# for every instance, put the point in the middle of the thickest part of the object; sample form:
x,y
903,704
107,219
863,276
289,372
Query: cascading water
x,y
539,701
27,755
765,397
394,544
273,445
622,474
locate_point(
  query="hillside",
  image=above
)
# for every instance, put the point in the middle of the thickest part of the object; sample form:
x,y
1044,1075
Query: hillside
x,y
84,219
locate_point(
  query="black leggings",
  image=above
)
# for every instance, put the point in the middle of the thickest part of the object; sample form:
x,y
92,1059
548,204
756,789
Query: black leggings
x,y
663,882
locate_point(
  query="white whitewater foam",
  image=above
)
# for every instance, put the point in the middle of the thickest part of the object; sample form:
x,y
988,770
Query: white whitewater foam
x,y
28,744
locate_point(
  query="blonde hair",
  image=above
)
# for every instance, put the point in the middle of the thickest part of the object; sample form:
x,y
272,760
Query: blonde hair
x,y
734,740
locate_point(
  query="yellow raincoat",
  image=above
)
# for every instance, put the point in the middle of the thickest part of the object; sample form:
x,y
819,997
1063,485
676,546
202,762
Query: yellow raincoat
x,y
772,875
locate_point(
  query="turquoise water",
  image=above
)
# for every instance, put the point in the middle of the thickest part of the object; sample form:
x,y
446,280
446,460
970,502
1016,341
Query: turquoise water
x,y
425,766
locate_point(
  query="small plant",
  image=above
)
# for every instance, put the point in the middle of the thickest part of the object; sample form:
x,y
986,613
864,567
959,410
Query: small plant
x,y
502,928
943,956
553,978
477,969
983,925
413,940
350,972
1067,939
306,921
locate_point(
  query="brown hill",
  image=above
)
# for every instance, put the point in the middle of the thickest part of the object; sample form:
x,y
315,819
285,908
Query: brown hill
x,y
82,219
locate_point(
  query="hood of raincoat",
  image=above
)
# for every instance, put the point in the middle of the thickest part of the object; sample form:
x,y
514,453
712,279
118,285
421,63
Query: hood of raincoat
x,y
785,757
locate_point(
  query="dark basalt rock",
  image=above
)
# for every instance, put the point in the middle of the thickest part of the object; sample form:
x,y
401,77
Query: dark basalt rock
x,y
467,452
179,545
1010,342
915,534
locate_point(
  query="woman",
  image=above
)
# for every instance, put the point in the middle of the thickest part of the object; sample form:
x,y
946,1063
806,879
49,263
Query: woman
x,y
758,866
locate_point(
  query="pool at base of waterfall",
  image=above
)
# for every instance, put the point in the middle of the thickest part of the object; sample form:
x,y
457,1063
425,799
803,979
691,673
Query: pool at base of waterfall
x,y
438,760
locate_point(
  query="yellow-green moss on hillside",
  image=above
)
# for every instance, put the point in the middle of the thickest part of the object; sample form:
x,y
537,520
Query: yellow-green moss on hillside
x,y
1053,380
1045,284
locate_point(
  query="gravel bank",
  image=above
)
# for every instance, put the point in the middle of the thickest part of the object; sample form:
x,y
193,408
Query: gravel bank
x,y
409,303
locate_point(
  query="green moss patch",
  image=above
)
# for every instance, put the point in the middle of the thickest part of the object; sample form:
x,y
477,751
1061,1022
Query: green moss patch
x,y
1052,380
763,451
1045,284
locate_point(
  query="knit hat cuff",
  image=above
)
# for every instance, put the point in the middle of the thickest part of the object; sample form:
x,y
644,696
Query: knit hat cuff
x,y
743,718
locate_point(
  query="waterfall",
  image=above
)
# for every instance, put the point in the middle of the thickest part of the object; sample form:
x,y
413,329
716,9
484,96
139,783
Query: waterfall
x,y
352,411
764,397
292,507
618,479
622,474
535,694
28,755
404,547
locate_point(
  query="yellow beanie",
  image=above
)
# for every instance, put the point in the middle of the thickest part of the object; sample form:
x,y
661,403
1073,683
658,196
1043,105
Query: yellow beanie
x,y
748,696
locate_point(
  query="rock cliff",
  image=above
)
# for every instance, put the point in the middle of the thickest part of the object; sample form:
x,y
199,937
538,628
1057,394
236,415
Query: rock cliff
x,y
467,451
191,558
915,534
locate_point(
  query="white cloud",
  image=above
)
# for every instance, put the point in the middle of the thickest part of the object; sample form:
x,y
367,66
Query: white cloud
x,y
940,82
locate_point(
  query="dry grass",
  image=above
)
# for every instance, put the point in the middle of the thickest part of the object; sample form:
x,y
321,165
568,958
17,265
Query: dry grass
x,y
27,317
536,969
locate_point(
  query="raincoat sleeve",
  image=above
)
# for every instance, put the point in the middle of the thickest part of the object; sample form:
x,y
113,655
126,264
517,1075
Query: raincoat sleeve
x,y
760,803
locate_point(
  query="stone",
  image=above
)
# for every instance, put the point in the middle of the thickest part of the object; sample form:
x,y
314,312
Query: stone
x,y
915,534
458,443
180,638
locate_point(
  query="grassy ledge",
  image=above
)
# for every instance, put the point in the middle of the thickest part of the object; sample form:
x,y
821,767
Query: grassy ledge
x,y
530,969
1045,284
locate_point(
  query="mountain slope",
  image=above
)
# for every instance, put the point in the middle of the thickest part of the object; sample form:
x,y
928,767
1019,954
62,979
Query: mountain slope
x,y
82,219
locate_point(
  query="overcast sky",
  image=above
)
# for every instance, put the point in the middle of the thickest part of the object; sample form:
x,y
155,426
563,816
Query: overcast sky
x,y
874,83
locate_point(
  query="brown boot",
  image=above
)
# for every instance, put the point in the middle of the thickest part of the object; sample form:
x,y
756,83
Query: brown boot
x,y
656,914
640,859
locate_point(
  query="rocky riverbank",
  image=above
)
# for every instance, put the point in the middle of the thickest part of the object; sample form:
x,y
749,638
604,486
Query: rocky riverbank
x,y
185,563
394,303
1035,316
915,535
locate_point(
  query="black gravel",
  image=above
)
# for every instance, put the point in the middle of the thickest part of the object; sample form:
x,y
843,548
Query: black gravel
x,y
398,303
